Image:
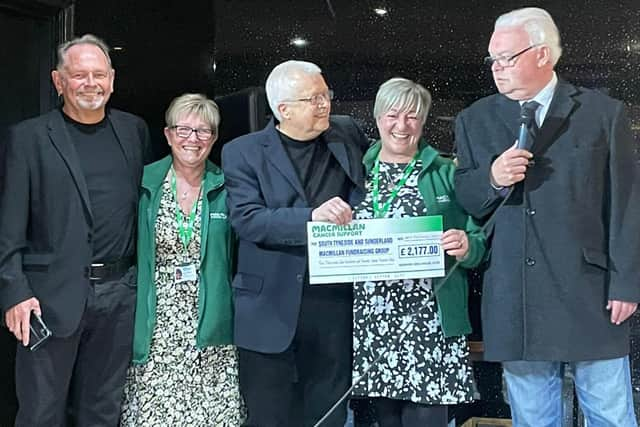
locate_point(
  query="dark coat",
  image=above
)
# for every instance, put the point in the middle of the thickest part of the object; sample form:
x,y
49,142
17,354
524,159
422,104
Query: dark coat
x,y
45,215
269,212
569,238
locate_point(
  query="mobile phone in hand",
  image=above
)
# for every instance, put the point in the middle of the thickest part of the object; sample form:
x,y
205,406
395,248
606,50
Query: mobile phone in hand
x,y
39,332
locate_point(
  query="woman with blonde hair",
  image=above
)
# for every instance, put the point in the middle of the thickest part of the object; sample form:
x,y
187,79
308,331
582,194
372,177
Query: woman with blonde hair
x,y
429,368
185,368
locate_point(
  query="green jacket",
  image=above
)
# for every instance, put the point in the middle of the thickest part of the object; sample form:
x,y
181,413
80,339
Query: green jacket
x,y
215,305
436,186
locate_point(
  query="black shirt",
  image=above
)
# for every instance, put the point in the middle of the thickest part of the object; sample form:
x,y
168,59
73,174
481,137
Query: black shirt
x,y
320,174
112,196
322,178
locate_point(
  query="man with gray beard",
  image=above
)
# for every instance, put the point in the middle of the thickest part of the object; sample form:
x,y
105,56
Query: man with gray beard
x,y
67,244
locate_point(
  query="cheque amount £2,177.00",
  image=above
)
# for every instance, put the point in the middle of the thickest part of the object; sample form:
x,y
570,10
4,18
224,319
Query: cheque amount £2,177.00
x,y
410,251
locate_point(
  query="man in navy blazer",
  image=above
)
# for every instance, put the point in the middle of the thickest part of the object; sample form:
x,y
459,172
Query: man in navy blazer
x,y
563,274
294,339
68,202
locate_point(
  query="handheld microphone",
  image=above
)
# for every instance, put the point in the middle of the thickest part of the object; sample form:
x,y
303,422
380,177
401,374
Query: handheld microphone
x,y
527,116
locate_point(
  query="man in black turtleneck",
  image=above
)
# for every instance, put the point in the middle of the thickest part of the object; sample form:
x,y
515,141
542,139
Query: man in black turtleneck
x,y
67,244
294,339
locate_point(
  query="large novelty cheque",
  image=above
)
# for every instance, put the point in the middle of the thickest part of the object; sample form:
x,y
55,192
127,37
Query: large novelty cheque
x,y
375,249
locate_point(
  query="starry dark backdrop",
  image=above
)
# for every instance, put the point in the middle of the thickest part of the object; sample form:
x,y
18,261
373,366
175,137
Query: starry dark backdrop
x,y
220,47
223,46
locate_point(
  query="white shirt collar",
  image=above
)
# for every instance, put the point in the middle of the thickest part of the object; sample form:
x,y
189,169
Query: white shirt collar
x,y
544,98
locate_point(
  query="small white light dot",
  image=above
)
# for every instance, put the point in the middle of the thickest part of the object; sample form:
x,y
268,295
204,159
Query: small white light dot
x,y
380,11
118,48
299,42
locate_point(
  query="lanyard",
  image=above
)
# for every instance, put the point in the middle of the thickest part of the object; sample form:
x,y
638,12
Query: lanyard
x,y
185,228
380,212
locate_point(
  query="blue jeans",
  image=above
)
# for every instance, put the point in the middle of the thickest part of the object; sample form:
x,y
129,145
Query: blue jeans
x,y
603,388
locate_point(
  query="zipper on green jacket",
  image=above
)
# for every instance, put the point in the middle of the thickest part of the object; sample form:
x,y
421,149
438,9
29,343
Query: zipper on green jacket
x,y
204,224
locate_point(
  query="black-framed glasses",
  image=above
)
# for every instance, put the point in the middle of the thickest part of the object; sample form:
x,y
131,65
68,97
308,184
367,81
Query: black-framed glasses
x,y
203,134
507,60
316,99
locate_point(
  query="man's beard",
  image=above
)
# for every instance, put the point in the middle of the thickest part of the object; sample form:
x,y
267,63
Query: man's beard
x,y
96,102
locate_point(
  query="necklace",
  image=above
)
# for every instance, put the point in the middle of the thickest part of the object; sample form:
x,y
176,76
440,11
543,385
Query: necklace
x,y
183,194
185,223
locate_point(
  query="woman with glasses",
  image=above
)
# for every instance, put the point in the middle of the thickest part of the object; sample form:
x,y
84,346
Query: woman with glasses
x,y
428,368
185,368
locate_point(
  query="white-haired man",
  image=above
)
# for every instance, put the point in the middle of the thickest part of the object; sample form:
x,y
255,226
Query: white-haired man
x,y
294,339
563,274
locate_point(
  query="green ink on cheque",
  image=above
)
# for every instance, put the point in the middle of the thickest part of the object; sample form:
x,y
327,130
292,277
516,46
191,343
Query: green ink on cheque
x,y
375,249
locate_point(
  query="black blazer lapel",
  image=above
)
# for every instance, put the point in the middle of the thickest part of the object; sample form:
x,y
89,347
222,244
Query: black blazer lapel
x,y
562,105
62,141
121,132
278,157
339,151
125,133
509,113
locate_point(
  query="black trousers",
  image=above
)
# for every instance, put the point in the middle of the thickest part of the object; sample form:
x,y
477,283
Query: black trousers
x,y
297,387
78,380
403,413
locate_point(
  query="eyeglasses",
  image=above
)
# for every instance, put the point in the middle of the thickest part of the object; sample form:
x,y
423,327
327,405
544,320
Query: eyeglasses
x,y
186,131
315,99
507,60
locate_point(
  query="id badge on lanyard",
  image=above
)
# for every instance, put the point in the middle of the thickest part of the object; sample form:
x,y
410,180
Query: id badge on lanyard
x,y
184,271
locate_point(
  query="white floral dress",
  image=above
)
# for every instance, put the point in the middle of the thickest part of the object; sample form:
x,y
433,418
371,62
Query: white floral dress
x,y
424,367
181,385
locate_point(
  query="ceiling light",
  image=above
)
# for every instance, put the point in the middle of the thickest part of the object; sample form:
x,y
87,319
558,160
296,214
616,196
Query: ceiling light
x,y
380,11
299,42
118,48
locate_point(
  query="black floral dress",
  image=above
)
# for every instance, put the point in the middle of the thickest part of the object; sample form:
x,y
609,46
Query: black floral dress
x,y
424,367
181,385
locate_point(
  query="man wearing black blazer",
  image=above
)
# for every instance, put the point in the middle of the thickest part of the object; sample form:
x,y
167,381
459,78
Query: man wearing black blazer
x,y
563,275
67,243
294,338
